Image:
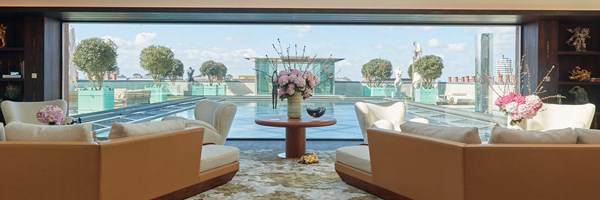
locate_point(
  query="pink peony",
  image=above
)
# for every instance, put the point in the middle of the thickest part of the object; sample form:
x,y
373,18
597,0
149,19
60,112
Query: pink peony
x,y
50,113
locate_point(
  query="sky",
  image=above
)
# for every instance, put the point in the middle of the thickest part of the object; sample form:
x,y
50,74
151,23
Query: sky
x,y
231,44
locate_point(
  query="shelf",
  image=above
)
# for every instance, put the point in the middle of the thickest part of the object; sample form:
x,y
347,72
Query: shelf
x,y
12,49
577,83
580,53
10,79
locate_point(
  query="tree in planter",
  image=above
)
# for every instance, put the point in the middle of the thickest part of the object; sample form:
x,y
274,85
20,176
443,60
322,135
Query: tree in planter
x,y
177,70
213,69
429,67
159,61
96,57
376,71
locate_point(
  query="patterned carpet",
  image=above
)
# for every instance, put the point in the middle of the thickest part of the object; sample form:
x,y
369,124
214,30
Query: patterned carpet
x,y
263,175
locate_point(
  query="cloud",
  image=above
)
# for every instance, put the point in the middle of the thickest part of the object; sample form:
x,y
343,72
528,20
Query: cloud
x,y
144,38
459,47
378,46
300,30
228,38
433,42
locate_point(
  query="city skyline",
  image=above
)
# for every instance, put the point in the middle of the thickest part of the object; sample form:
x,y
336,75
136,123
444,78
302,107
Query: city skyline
x,y
194,44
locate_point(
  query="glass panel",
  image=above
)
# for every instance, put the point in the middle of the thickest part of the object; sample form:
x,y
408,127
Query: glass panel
x,y
479,64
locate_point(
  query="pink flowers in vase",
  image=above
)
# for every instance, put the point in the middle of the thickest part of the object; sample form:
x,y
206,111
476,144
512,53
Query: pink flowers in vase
x,y
519,107
293,80
50,114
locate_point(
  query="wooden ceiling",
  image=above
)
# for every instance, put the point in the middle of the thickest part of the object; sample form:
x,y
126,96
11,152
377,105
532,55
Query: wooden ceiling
x,y
296,16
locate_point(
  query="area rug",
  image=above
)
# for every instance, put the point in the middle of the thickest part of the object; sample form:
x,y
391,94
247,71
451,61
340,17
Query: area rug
x,y
263,175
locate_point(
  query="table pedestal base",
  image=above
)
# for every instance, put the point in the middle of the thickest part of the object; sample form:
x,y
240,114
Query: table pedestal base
x,y
295,142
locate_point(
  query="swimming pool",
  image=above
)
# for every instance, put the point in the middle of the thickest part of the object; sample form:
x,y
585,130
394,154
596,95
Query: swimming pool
x,y
244,127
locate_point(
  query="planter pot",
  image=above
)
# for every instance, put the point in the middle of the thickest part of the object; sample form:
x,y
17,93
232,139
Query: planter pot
x,y
158,94
426,96
95,100
378,91
174,90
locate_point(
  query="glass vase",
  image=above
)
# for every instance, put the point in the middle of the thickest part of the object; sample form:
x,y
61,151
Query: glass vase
x,y
294,102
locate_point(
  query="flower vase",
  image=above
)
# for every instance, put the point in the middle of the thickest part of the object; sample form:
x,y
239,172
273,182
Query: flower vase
x,y
294,102
520,126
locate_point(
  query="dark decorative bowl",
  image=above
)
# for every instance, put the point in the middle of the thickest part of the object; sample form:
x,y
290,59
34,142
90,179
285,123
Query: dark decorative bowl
x,y
316,112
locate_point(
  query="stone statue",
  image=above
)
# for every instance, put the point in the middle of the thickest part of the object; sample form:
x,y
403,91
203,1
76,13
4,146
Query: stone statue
x,y
581,96
190,74
578,38
416,77
398,81
3,35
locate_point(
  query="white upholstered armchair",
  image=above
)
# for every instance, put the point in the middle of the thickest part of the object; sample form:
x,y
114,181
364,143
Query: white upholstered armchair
x,y
557,116
26,111
388,115
215,117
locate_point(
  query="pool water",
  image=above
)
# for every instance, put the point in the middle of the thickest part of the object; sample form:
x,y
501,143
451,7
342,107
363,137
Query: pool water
x,y
244,126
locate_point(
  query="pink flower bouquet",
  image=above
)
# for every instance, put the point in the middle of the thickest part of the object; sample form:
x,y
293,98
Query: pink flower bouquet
x,y
291,81
50,113
519,107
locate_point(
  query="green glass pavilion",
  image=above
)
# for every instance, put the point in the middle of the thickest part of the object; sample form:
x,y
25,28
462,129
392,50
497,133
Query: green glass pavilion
x,y
265,67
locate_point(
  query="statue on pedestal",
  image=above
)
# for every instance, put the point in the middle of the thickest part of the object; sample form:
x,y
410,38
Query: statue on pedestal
x,y
190,73
417,54
398,81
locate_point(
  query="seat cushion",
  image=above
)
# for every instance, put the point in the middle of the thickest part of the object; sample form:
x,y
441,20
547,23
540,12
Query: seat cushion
x,y
468,135
119,130
17,131
214,156
587,136
501,135
354,156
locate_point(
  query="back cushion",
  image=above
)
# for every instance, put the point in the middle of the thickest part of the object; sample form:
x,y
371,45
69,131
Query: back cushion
x,y
17,131
119,130
2,137
501,135
469,135
587,136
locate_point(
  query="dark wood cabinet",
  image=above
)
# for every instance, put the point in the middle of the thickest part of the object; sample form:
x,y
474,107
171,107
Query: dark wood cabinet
x,y
545,45
34,51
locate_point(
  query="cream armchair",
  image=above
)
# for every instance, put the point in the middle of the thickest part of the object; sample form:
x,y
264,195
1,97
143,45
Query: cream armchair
x,y
26,111
388,115
215,117
557,116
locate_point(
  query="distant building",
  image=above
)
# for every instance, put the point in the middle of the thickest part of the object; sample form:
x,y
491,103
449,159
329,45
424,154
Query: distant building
x,y
136,76
265,67
246,77
503,66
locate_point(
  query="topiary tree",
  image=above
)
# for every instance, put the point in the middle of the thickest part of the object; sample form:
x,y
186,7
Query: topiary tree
x,y
158,60
430,68
176,71
376,71
213,69
96,57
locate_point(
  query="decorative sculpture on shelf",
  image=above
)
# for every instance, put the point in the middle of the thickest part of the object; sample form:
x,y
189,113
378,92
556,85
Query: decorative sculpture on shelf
x,y
3,35
581,96
579,74
578,38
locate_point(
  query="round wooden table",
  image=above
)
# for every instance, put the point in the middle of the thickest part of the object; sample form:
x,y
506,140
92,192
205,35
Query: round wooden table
x,y
295,131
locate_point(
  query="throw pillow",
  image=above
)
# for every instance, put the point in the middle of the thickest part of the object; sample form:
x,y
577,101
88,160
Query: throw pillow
x,y
501,135
587,136
469,135
17,131
120,130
